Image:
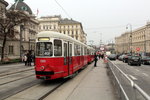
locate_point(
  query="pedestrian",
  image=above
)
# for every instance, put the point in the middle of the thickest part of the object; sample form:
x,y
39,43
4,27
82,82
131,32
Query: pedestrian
x,y
29,59
102,56
99,56
95,59
22,57
25,59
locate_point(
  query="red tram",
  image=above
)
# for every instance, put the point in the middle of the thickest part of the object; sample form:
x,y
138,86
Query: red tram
x,y
59,55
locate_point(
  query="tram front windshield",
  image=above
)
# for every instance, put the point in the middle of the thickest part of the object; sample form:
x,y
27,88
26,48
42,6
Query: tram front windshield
x,y
44,49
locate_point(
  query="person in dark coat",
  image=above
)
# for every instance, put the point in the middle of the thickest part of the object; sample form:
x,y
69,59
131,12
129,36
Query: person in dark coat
x,y
95,60
29,59
33,58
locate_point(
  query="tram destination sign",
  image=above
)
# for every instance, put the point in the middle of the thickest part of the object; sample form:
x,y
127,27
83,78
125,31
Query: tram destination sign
x,y
43,39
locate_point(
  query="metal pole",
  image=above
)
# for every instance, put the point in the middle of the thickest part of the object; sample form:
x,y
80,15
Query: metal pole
x,y
130,36
29,43
145,43
21,30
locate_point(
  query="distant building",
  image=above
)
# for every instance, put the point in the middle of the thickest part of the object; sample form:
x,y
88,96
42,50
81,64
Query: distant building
x,y
26,37
66,26
110,47
138,41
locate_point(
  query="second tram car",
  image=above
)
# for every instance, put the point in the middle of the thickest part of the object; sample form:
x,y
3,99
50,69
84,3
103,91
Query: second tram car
x,y
59,55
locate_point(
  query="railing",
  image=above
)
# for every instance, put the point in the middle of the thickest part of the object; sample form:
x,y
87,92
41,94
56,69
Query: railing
x,y
125,87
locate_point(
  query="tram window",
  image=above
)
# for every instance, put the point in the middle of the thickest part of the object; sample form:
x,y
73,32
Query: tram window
x,y
85,51
88,52
75,50
44,49
65,49
81,50
78,50
70,50
57,48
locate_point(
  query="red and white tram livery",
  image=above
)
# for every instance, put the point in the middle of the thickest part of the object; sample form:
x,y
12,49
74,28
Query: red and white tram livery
x,y
59,55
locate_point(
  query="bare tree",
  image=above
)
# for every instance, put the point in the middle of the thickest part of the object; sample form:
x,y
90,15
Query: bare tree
x,y
13,18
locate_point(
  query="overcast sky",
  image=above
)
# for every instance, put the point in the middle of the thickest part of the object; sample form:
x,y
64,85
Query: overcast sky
x,y
101,19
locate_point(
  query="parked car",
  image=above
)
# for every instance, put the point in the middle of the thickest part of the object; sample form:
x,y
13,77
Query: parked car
x,y
145,60
121,57
125,58
136,60
112,57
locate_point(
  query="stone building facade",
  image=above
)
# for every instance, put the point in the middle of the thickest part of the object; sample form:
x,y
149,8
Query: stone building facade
x,y
3,5
137,41
25,39
66,26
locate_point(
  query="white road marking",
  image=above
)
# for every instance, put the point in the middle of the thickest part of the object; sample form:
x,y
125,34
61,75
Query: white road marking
x,y
132,77
137,70
145,74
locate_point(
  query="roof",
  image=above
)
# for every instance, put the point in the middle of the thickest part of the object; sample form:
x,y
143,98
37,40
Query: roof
x,y
4,2
21,6
67,21
53,34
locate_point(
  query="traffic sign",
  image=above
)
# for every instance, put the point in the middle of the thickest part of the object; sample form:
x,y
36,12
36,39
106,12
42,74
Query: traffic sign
x,y
101,48
137,49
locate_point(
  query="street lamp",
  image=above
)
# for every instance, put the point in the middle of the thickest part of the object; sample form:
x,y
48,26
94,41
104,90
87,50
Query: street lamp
x,y
127,26
100,39
91,42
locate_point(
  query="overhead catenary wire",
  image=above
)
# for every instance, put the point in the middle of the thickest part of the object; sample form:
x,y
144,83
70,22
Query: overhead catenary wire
x,y
62,8
111,27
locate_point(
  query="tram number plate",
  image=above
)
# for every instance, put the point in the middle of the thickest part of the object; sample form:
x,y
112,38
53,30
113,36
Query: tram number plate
x,y
42,61
43,77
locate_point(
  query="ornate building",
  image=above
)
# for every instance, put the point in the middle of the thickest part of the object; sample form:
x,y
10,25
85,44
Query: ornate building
x,y
137,41
66,26
3,5
25,39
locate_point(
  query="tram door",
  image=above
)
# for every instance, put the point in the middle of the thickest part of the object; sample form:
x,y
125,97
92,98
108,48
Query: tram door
x,y
68,56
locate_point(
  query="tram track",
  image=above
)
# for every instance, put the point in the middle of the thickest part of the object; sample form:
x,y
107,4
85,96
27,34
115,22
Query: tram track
x,y
9,81
15,71
11,88
7,78
38,91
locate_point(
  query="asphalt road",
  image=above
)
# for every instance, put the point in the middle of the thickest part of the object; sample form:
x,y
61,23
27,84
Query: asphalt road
x,y
139,74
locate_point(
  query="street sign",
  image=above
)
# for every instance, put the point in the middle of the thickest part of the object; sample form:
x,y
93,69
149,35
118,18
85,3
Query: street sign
x,y
137,49
101,48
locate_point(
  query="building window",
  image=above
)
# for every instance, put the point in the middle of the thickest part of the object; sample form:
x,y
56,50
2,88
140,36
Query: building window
x,y
24,8
11,49
43,27
39,27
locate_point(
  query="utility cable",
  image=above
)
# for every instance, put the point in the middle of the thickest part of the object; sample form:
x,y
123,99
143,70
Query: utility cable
x,y
63,9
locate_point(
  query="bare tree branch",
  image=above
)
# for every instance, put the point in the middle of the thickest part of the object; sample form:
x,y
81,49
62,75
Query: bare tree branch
x,y
13,18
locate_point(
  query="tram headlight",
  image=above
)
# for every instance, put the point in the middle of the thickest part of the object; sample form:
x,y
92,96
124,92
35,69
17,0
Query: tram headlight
x,y
42,68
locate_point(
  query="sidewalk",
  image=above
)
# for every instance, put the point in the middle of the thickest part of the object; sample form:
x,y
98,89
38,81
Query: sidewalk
x,y
91,84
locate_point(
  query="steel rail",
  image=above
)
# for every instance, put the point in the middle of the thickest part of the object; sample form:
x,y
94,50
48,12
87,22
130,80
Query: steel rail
x,y
126,97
